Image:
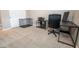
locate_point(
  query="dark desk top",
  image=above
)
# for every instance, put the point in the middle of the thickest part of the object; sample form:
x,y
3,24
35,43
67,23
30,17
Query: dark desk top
x,y
68,24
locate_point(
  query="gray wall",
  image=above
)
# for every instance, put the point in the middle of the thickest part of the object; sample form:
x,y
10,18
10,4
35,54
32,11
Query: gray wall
x,y
0,17
44,13
76,21
0,21
34,14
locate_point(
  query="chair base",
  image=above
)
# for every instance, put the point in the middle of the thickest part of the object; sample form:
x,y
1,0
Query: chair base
x,y
54,32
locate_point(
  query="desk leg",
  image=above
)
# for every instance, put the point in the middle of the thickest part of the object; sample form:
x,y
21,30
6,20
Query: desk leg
x,y
58,36
65,42
75,43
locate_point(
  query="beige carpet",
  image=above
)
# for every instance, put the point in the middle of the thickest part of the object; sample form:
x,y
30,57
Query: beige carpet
x,y
31,37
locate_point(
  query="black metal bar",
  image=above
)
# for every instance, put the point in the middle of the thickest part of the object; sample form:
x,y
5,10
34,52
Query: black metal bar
x,y
76,38
66,43
71,38
74,43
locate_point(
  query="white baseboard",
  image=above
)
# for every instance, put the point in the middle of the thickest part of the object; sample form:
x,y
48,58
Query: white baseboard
x,y
9,28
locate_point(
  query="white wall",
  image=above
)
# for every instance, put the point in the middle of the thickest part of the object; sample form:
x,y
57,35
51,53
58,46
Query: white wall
x,y
5,21
28,12
10,18
34,14
15,15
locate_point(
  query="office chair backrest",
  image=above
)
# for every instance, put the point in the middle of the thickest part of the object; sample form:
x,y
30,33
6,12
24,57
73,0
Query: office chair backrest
x,y
65,16
54,20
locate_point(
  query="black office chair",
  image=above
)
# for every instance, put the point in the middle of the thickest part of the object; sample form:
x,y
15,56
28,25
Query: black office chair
x,y
65,17
54,22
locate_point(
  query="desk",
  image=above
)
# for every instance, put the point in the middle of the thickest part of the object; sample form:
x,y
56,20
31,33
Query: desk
x,y
69,25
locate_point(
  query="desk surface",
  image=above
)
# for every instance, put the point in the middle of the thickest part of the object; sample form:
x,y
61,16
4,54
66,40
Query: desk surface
x,y
68,24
